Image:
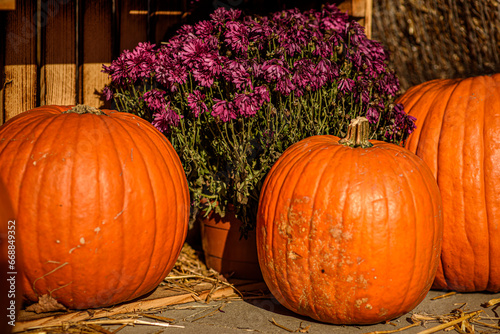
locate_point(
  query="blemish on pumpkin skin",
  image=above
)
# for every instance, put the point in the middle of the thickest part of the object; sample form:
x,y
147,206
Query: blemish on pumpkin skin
x,y
294,256
72,249
360,302
118,214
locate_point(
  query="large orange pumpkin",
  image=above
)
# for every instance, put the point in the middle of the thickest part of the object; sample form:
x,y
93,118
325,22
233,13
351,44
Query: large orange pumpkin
x,y
458,136
10,267
349,235
101,201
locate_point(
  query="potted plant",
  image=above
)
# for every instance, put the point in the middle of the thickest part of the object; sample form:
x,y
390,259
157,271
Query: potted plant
x,y
233,92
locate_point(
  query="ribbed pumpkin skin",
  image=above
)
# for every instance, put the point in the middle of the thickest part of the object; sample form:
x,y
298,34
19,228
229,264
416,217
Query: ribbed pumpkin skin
x,y
102,204
458,136
349,235
7,296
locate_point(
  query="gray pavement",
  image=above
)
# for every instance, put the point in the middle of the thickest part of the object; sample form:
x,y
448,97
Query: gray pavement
x,y
256,316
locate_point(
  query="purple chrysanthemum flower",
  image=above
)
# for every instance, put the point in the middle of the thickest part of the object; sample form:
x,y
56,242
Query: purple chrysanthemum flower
x,y
192,51
196,103
236,72
345,85
108,93
155,99
170,71
372,115
261,94
140,62
333,18
118,69
221,15
166,118
274,69
236,36
389,84
223,110
285,86
246,104
203,76
304,76
204,28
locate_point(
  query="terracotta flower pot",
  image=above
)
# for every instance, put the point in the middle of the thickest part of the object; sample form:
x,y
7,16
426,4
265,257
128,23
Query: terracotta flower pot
x,y
224,251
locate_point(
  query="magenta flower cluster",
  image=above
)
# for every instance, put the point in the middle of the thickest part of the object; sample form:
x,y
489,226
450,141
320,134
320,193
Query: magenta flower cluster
x,y
232,64
233,92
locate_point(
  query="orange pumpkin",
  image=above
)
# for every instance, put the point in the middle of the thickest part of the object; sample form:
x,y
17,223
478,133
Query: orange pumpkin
x,y
349,235
101,200
458,136
9,265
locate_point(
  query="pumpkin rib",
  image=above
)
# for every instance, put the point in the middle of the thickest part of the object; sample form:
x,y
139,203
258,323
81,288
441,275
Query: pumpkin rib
x,y
429,87
312,224
174,179
444,106
114,126
72,225
127,131
291,185
99,187
416,259
175,206
438,230
129,127
484,264
493,103
345,209
23,128
478,254
455,182
385,154
178,178
281,170
427,117
449,90
120,238
37,200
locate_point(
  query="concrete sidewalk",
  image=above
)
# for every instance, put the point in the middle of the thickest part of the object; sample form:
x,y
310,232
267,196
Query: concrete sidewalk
x,y
238,316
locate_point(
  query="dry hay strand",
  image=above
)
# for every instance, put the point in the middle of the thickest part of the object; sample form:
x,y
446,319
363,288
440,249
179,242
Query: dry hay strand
x,y
459,320
189,281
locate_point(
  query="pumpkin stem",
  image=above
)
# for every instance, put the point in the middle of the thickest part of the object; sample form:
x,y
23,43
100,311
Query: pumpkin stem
x,y
84,109
357,133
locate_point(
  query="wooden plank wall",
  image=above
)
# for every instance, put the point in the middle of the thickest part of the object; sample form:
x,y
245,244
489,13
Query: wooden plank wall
x,y
52,51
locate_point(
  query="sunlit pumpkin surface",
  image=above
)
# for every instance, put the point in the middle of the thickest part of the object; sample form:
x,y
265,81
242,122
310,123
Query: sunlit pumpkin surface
x,y
458,136
101,202
349,235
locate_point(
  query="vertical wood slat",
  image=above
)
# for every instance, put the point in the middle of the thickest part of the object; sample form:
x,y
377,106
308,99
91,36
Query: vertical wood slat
x,y
7,4
133,23
361,9
20,71
97,45
58,72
